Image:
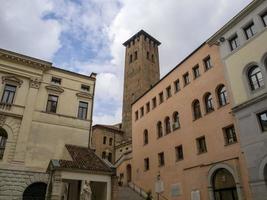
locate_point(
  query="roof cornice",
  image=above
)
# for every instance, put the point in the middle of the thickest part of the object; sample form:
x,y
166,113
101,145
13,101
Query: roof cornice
x,y
213,39
25,60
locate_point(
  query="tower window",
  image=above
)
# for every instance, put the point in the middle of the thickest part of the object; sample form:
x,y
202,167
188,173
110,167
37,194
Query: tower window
x,y
141,111
250,30
136,115
147,55
131,58
152,58
135,55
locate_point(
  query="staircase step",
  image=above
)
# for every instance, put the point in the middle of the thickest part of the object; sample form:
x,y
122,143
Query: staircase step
x,y
126,193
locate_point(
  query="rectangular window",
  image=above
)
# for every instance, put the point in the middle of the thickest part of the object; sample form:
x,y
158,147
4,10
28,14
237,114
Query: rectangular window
x,y
229,135
141,111
85,87
147,55
263,120
135,55
186,79
264,19
110,141
131,58
161,159
201,145
250,30
234,42
147,107
168,92
110,157
154,102
161,98
8,94
207,63
146,164
179,153
52,103
196,71
104,140
177,85
152,58
56,80
82,110
136,115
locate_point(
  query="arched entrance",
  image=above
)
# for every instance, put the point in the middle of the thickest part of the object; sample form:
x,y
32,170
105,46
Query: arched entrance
x,y
129,173
224,186
3,139
35,191
265,174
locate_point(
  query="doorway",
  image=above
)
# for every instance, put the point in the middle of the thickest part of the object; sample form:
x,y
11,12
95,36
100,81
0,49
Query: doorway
x,y
35,191
129,173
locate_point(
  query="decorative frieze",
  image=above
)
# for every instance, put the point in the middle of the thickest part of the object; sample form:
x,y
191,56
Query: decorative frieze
x,y
12,80
35,83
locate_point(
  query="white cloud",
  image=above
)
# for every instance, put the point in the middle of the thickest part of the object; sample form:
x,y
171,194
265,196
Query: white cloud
x,y
24,30
108,118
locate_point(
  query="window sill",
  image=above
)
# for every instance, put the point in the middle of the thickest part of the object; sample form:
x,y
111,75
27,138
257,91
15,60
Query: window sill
x,y
161,165
186,84
178,160
229,144
200,153
196,77
197,118
176,91
221,106
208,68
174,129
208,112
61,115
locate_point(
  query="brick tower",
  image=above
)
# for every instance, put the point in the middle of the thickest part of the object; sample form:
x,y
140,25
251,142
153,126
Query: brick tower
x,y
141,72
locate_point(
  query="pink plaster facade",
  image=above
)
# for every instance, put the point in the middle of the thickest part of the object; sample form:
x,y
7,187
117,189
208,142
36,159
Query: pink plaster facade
x,y
195,171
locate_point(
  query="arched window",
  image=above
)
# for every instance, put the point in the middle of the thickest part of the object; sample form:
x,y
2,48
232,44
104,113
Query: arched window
x,y
224,185
222,95
255,78
159,129
208,102
145,137
3,139
167,122
104,140
196,109
176,122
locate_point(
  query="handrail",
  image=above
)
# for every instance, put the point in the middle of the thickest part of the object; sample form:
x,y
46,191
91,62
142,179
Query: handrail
x,y
137,189
160,195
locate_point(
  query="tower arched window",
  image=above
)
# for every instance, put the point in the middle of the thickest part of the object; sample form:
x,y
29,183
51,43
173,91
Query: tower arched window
x,y
167,123
196,109
208,102
159,129
255,77
222,95
176,121
145,137
3,139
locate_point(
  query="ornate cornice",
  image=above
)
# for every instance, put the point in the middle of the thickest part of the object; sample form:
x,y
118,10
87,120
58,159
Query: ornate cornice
x,y
84,95
12,80
55,88
25,60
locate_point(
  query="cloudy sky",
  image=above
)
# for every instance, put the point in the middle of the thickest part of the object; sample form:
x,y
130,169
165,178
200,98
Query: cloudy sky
x,y
87,35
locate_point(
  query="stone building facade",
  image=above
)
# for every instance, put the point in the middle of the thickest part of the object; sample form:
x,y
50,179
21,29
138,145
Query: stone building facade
x,y
243,48
42,108
187,144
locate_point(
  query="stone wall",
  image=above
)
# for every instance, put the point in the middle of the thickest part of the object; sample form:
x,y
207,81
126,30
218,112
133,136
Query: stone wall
x,y
13,183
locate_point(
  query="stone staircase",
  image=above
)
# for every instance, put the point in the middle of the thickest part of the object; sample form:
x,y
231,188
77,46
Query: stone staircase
x,y
126,193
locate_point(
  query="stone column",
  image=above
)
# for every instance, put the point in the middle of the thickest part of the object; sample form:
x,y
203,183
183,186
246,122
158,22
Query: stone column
x,y
56,186
25,127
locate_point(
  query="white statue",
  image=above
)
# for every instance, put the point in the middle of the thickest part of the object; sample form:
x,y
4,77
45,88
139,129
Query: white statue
x,y
86,191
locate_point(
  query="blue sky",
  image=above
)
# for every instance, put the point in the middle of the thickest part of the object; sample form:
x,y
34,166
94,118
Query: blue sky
x,y
87,35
